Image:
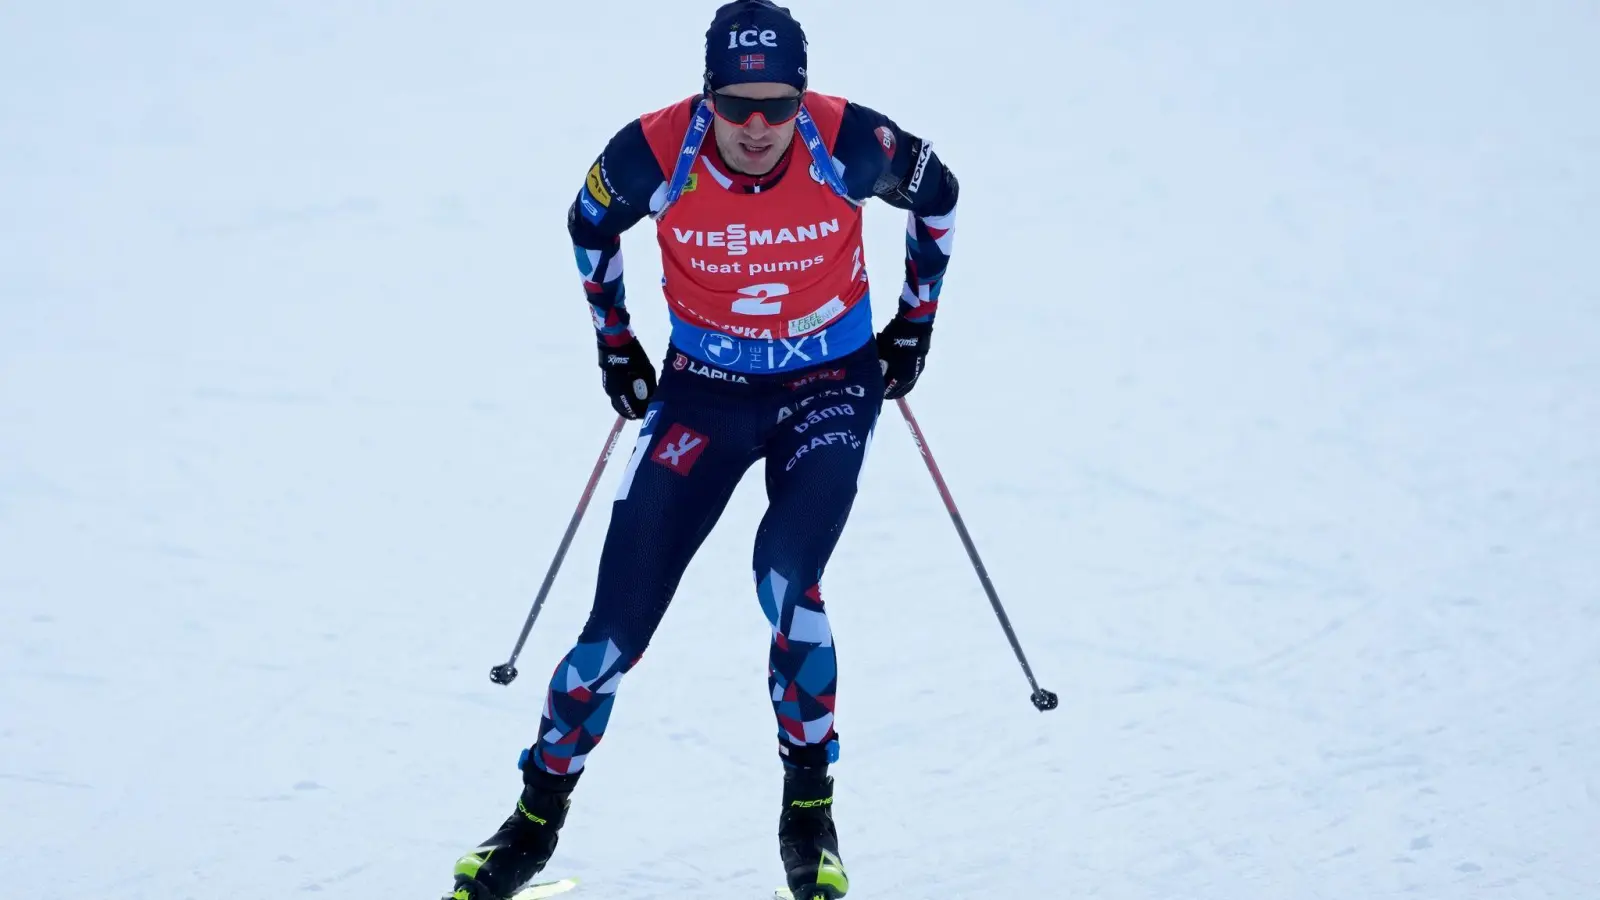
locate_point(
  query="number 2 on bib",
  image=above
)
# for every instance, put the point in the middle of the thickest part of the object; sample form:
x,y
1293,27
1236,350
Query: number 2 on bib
x,y
756,300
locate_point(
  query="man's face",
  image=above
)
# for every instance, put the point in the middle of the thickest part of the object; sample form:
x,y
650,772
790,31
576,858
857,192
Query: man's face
x,y
755,147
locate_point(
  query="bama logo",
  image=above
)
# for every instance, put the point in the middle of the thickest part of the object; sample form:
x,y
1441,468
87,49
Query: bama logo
x,y
679,448
738,239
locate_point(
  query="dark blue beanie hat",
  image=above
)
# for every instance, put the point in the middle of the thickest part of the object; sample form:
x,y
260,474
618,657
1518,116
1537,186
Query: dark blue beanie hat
x,y
754,40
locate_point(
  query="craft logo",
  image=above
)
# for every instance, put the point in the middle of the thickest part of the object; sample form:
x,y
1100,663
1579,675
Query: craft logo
x,y
831,439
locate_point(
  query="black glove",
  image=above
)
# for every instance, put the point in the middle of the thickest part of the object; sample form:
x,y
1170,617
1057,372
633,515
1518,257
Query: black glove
x,y
902,350
628,377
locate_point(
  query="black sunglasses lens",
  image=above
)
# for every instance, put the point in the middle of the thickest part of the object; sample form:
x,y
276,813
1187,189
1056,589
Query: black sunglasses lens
x,y
739,110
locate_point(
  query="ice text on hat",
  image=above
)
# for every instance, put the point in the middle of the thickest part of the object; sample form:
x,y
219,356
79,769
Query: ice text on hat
x,y
751,38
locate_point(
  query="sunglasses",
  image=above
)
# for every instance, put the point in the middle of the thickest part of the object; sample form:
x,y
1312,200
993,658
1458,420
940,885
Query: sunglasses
x,y
740,110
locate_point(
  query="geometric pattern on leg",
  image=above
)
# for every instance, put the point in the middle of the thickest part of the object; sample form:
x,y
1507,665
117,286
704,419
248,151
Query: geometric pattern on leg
x,y
578,705
802,670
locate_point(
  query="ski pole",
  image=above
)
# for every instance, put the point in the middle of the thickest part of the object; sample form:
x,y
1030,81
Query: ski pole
x,y
506,672
1042,699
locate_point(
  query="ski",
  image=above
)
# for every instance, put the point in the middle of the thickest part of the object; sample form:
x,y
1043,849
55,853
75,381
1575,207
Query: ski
x,y
545,889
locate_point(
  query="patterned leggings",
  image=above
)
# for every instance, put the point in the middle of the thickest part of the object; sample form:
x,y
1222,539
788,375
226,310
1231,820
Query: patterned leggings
x,y
703,432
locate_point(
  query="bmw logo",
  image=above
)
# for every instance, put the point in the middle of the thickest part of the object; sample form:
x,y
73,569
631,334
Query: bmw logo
x,y
721,349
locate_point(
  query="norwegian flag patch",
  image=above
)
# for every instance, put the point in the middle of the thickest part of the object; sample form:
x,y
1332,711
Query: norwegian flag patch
x,y
752,62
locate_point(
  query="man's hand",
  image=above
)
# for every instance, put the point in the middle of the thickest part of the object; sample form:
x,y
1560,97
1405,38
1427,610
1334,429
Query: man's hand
x,y
628,377
902,351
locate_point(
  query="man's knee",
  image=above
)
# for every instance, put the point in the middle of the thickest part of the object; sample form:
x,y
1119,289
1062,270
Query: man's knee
x,y
596,663
793,607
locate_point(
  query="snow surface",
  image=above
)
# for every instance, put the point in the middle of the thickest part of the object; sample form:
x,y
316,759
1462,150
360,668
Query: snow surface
x,y
1269,380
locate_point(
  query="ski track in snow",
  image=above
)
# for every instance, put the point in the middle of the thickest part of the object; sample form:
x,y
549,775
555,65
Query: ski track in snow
x,y
1272,407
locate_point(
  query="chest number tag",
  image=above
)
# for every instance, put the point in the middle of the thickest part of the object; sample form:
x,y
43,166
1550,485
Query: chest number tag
x,y
756,300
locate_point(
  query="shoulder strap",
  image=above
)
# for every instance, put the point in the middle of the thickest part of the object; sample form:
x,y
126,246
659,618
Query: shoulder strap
x,y
699,125
823,160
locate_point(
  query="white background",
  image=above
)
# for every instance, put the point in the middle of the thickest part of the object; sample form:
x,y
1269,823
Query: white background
x,y
1268,376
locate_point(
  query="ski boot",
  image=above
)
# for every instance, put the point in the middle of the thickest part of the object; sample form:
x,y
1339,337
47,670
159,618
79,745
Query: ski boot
x,y
503,864
807,839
